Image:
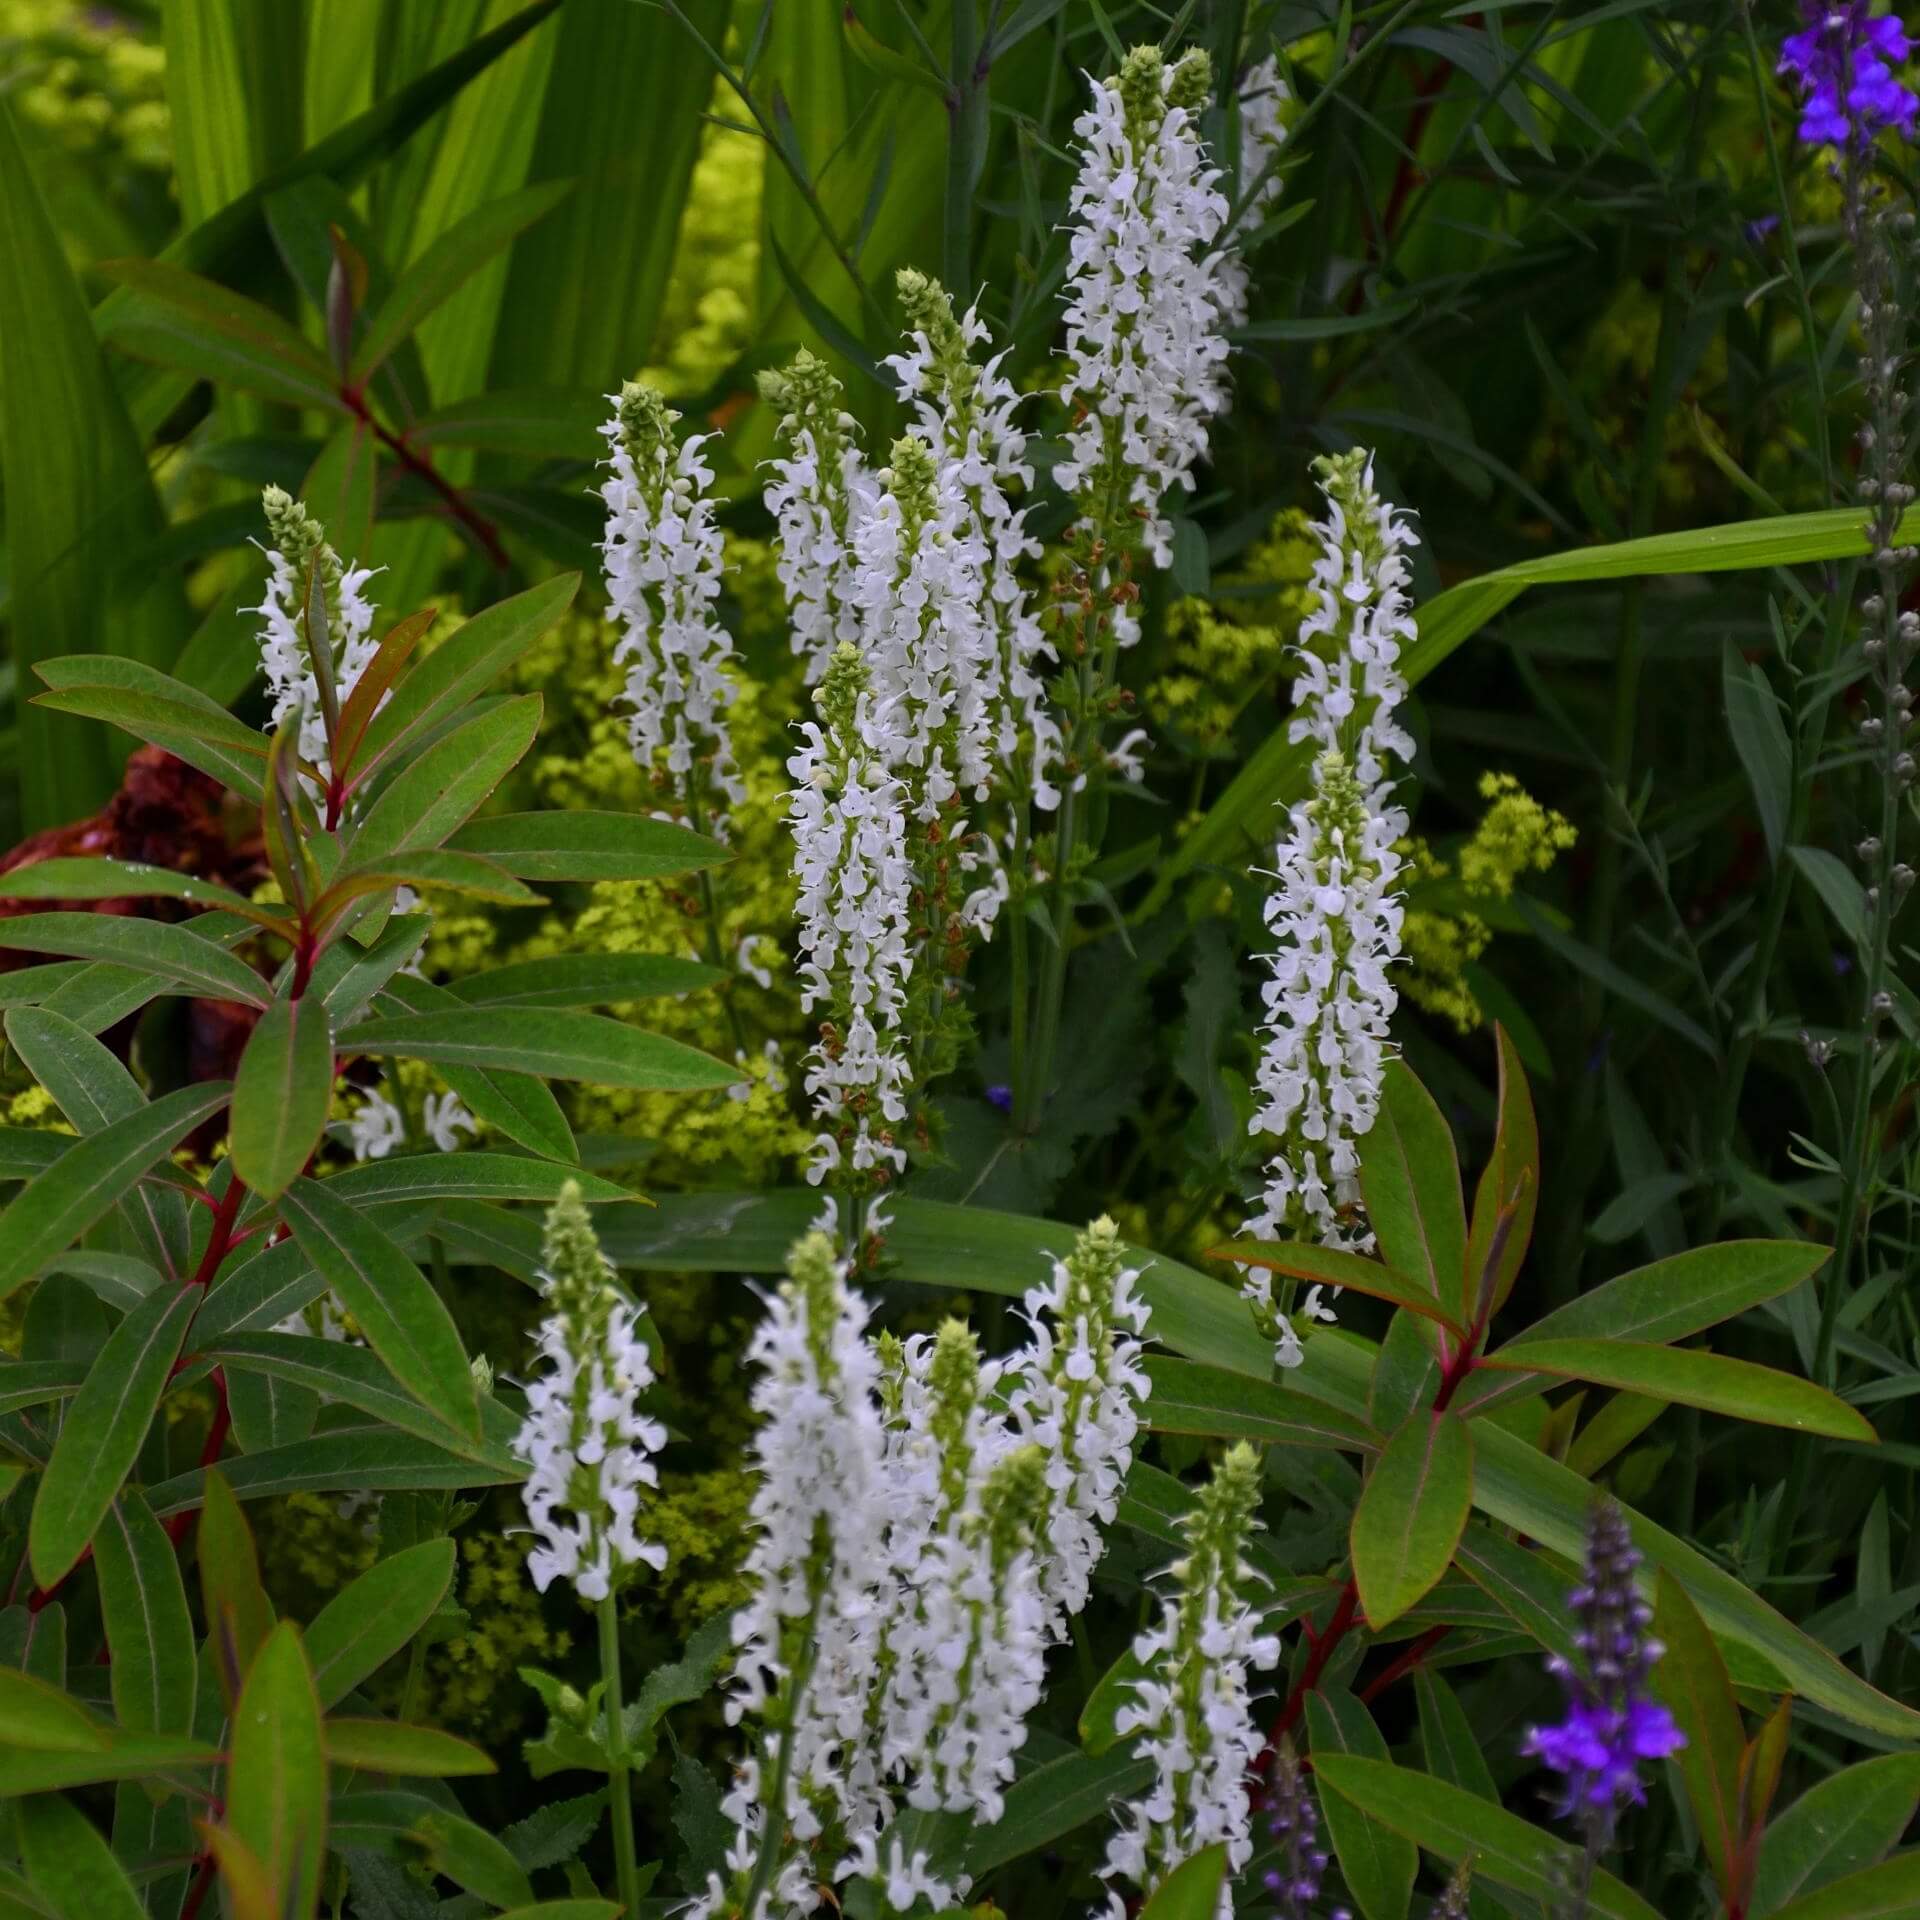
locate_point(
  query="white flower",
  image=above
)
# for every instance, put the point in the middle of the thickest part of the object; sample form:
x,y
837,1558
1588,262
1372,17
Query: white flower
x,y
1263,102
1077,1396
967,414
1146,357
744,962
819,493
663,565
1193,1709
445,1118
850,860
908,1877
814,1568
376,1127
299,549
587,1446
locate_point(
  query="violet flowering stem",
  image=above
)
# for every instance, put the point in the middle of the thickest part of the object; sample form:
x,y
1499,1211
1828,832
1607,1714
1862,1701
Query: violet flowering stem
x,y
619,1781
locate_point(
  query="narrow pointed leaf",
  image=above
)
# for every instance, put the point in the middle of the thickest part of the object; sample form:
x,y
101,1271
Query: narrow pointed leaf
x,y
1192,1890
1692,1679
70,1863
224,752
1839,1826
372,1618
437,793
1410,1180
585,980
1329,1266
551,1042
277,1778
239,1614
282,1094
1411,1513
384,1746
1510,1179
149,1630
589,846
78,879
171,952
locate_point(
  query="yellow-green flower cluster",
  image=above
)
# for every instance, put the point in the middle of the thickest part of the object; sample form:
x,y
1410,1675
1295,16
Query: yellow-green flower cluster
x,y
1441,935
97,90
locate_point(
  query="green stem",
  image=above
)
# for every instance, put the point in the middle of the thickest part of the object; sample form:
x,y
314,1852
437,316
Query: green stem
x,y
619,1784
774,1809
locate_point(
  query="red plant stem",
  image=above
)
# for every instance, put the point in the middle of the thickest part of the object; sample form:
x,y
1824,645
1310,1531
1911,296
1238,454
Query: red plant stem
x,y
220,1240
1411,1657
197,1893
476,523
182,1523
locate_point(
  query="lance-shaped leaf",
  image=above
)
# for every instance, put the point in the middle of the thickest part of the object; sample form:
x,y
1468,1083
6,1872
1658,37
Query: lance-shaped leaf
x,y
149,1630
1839,1826
1192,1890
546,423
219,746
1509,1186
384,1746
277,1776
548,1041
1410,1181
373,1617
94,1090
1411,1513
70,1864
282,1093
413,1179
1692,1679
182,320
406,1323
1890,1891
37,1716
1457,1825
1188,1398
173,953
437,867
589,846
440,791
585,980
1330,1266
462,668
376,681
472,1858
239,1614
1377,1863
77,879
102,1434
1684,1375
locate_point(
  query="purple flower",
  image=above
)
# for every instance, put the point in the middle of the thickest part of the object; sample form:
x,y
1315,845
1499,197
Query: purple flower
x,y
1844,64
1293,1824
1001,1096
1611,1723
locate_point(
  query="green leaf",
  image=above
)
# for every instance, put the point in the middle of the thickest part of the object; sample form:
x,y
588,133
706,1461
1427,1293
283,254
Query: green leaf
x,y
586,1909
1692,1679
437,793
348,974
1332,1267
233,90
1448,1742
42,1718
410,1178
473,1859
239,1614
1760,739
102,1434
405,1321
77,879
339,490
547,1041
183,320
71,1865
132,1756
1192,1890
383,1746
79,497
439,867
372,1618
1692,1378
1890,1891
586,980
589,846
544,423
448,262
37,1383
1836,885
172,952
357,1378
94,1090
213,741
282,1094
1411,1512
1116,1688
1840,1825
1188,1398
376,681
1510,1180
149,1630
1410,1182
460,669
277,1775
1377,1863
1455,1825
1050,1802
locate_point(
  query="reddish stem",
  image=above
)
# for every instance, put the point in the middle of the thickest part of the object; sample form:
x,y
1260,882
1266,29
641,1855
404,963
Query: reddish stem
x,y
220,1240
476,523
197,1893
182,1523
1321,1647
1415,1652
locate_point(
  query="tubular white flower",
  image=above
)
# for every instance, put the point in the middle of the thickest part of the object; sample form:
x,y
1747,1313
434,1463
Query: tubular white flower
x,y
1193,1709
804,1638
850,860
1264,99
1328,1002
967,414
1077,1397
376,1127
1146,357
663,566
445,1118
300,545
907,1877
819,494
587,1445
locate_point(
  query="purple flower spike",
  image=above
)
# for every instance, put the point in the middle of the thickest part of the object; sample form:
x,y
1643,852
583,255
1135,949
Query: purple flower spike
x,y
1293,1824
1844,64
1611,1724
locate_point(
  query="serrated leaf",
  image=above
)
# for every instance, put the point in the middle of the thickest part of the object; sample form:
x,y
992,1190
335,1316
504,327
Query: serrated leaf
x,y
281,1094
105,1426
405,1321
1411,1513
